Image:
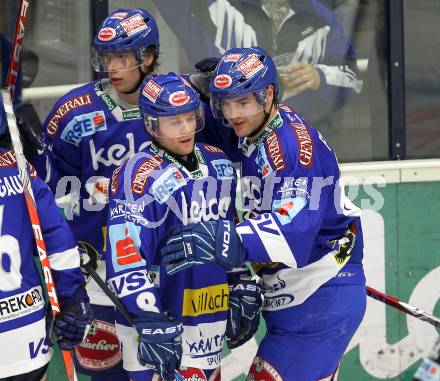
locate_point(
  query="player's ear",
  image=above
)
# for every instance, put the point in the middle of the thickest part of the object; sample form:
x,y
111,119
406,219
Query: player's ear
x,y
270,94
148,60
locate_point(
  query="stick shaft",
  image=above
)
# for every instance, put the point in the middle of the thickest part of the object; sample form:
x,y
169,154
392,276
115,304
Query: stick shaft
x,y
106,289
110,294
35,221
404,307
17,45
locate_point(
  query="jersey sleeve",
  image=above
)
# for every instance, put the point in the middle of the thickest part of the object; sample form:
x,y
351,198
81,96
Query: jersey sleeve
x,y
131,242
61,248
302,193
287,233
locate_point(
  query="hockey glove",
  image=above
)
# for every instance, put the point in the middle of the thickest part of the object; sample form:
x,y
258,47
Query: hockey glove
x,y
205,242
200,81
160,344
244,310
72,324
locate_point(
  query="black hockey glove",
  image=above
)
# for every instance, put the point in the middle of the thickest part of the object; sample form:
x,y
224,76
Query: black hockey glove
x,y
160,344
200,81
244,309
203,242
72,324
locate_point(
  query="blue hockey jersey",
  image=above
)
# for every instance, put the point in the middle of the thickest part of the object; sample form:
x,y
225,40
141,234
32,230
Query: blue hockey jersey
x,y
24,346
149,194
294,207
87,135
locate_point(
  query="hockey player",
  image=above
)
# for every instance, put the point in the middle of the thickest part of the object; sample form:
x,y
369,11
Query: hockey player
x,y
179,321
25,348
296,213
89,132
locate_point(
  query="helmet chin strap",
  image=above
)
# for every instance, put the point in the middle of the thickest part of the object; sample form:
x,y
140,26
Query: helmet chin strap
x,y
258,129
138,83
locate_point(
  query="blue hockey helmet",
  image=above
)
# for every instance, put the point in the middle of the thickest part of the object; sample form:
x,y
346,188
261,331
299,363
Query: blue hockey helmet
x,y
124,30
168,95
242,71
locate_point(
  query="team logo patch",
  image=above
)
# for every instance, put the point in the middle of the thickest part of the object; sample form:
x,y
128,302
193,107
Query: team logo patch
x,y
262,161
232,57
261,370
192,374
114,184
212,149
224,169
152,90
100,349
130,283
305,143
294,187
275,152
98,189
167,184
106,34
134,24
125,241
64,109
222,81
250,66
19,305
119,15
179,98
285,108
205,300
287,209
84,125
7,159
143,172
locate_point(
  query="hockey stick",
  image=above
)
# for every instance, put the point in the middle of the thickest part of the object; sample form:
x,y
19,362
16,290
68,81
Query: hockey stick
x,y
17,44
13,70
89,261
404,307
35,221
89,268
8,96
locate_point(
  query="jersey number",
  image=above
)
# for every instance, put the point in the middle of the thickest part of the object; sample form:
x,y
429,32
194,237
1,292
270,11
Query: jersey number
x,y
10,260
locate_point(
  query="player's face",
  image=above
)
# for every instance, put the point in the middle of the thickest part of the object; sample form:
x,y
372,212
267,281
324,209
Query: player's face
x,y
124,70
176,133
244,113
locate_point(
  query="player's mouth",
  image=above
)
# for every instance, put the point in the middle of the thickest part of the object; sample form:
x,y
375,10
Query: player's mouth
x,y
115,80
185,141
238,125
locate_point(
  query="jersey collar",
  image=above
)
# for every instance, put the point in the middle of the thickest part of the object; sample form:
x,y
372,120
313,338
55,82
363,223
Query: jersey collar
x,y
247,147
